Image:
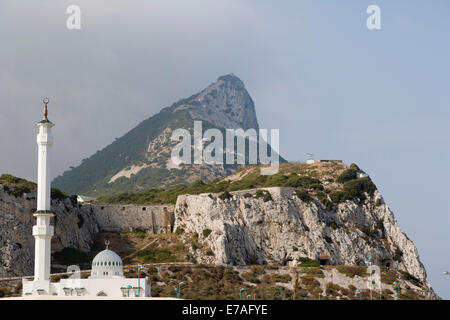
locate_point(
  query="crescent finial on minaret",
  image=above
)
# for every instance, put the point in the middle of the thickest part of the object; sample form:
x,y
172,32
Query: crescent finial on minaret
x,y
46,101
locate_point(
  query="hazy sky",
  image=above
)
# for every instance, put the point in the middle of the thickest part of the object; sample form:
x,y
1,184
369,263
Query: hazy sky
x,y
334,88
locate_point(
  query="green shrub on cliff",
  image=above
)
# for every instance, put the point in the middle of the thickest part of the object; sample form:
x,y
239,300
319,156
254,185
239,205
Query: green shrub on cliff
x,y
354,189
303,195
225,195
264,194
206,232
347,175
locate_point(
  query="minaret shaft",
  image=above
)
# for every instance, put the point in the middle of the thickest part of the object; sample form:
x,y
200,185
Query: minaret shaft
x,y
43,231
45,142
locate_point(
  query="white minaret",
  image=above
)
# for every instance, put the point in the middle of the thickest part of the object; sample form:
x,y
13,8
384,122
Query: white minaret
x,y
43,231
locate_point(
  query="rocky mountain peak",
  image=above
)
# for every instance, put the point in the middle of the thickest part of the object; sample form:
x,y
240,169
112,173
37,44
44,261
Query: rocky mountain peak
x,y
141,160
225,104
232,79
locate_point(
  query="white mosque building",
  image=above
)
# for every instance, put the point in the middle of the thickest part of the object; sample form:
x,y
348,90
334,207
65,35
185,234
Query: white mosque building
x,y
106,278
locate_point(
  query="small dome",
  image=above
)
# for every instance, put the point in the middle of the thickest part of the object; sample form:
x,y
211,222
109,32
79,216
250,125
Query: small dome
x,y
107,264
107,255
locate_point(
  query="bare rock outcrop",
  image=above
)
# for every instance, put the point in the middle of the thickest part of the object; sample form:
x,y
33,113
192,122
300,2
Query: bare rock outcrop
x,y
249,229
73,229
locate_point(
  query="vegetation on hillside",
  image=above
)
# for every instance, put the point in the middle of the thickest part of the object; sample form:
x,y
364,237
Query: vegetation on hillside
x,y
93,174
329,182
355,188
269,282
153,255
307,262
217,282
138,247
17,187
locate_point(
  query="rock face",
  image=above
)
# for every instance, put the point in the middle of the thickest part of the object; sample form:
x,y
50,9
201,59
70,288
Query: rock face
x,y
246,229
141,159
225,104
75,226
72,229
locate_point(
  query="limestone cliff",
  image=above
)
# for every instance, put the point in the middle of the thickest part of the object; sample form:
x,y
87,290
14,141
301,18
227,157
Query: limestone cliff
x,y
72,229
249,229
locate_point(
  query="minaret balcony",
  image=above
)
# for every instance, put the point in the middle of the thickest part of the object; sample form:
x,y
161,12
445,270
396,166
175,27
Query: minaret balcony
x,y
43,231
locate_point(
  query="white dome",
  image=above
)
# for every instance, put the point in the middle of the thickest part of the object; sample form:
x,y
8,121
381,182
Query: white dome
x,y
107,264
